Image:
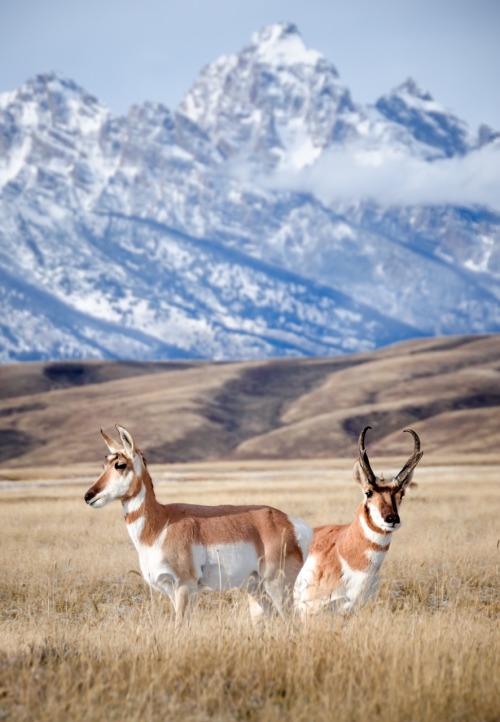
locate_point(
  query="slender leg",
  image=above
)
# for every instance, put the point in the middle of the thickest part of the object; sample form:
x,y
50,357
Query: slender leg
x,y
274,587
279,583
260,606
165,583
181,603
256,610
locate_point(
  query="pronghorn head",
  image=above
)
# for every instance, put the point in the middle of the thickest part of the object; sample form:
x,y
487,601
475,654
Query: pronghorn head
x,y
122,471
382,498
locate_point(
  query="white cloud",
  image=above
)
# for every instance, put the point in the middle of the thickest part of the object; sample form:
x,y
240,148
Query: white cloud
x,y
395,178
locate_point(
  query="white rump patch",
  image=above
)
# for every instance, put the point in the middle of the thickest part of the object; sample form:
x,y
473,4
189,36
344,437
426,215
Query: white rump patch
x,y
303,534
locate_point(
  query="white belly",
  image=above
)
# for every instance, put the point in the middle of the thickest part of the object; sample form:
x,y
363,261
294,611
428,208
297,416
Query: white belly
x,y
225,566
221,566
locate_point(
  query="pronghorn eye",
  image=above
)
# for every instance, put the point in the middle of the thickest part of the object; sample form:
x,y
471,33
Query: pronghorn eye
x,y
120,465
368,493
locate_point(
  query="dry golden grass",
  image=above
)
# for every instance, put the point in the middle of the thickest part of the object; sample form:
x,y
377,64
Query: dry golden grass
x,y
82,637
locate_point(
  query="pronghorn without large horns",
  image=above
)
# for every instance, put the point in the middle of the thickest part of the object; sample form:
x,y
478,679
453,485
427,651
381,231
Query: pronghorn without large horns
x,y
187,548
344,561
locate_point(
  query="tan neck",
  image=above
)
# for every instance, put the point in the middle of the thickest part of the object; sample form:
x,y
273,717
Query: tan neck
x,y
360,537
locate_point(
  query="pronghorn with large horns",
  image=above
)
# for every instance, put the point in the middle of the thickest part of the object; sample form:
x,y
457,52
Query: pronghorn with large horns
x,y
344,561
187,548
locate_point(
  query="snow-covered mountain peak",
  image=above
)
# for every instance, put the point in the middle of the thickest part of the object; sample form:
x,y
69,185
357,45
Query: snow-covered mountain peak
x,y
429,122
55,83
276,102
486,135
50,99
282,44
46,126
411,89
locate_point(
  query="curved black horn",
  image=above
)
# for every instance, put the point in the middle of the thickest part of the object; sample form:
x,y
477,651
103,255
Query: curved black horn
x,y
363,458
402,478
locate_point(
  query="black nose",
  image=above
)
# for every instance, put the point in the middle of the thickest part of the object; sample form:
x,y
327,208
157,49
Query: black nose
x,y
88,496
392,519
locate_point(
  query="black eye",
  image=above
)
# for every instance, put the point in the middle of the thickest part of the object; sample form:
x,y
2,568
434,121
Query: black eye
x,y
368,493
120,465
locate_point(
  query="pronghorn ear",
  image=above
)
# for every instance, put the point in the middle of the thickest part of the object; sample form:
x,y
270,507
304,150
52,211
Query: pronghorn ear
x,y
112,445
360,476
126,439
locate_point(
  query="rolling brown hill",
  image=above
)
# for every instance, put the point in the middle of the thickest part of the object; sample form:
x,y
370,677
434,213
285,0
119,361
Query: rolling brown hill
x,y
447,389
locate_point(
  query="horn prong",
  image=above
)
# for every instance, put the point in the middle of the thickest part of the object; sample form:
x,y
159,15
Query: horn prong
x,y
402,478
363,458
415,437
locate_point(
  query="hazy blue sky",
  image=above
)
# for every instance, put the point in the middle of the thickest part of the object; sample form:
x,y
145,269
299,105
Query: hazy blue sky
x,y
126,51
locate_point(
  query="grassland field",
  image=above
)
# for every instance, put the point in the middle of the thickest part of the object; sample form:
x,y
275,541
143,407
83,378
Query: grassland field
x,y
82,637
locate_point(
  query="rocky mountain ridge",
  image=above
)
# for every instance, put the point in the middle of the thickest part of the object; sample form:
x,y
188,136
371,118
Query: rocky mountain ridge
x,y
172,234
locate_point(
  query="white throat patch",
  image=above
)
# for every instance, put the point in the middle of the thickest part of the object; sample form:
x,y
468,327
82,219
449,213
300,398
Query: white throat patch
x,y
382,540
134,504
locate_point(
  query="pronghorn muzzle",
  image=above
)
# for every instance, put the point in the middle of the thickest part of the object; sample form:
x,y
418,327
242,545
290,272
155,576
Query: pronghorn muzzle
x,y
89,495
93,494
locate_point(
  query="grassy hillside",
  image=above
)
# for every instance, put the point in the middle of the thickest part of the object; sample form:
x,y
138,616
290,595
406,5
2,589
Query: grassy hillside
x,y
447,389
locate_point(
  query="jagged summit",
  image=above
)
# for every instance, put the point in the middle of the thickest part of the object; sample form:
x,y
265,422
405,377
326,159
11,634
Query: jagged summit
x,y
161,234
282,44
486,134
52,87
51,99
276,32
276,101
429,122
411,88
55,81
